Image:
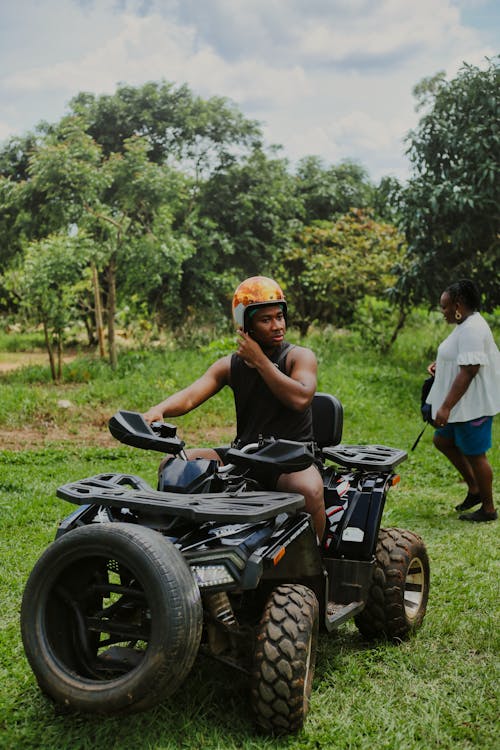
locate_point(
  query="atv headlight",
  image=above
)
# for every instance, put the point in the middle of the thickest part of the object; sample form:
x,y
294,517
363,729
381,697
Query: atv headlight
x,y
211,575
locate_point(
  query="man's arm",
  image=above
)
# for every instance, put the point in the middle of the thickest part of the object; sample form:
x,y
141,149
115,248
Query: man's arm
x,y
296,390
215,378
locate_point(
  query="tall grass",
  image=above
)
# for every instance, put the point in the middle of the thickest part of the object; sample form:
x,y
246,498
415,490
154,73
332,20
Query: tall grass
x,y
438,690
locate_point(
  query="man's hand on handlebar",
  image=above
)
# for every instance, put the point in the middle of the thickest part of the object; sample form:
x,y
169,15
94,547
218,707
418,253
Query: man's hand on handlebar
x,y
153,415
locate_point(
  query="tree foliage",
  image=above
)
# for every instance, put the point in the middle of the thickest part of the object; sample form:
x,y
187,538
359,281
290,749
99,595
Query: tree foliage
x,y
20,209
177,124
450,207
48,285
253,203
327,192
178,201
242,220
128,167
332,265
119,200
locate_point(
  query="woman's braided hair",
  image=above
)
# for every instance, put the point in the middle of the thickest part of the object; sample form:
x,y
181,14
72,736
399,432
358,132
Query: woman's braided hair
x,y
465,291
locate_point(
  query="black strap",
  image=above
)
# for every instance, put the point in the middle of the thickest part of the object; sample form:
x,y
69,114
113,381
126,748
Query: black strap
x,y
286,348
420,435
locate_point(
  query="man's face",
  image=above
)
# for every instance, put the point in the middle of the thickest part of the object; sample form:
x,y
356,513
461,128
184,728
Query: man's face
x,y
267,326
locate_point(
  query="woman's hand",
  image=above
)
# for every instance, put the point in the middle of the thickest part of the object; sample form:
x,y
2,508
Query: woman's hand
x,y
442,416
466,374
432,369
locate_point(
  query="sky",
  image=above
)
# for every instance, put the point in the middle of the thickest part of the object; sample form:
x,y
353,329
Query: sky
x,y
330,78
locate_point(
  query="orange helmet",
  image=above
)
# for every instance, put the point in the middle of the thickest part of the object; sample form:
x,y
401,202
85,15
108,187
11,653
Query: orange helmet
x,y
254,292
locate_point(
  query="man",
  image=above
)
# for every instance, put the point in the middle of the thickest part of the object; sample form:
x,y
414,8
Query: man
x,y
273,385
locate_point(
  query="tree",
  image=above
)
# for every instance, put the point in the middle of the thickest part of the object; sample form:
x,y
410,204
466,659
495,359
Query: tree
x,y
46,285
331,266
244,219
386,200
329,192
40,194
117,200
176,193
450,206
20,210
177,124
134,223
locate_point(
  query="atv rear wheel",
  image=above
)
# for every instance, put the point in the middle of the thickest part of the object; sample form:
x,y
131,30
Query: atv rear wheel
x,y
284,659
111,618
398,596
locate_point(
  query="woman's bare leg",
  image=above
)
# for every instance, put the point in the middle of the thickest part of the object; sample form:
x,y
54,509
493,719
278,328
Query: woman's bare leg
x,y
459,461
484,478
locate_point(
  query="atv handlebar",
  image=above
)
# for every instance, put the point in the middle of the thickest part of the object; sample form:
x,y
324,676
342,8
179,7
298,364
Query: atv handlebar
x,y
131,428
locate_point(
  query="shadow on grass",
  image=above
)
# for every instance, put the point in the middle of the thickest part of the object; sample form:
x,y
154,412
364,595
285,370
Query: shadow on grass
x,y
211,709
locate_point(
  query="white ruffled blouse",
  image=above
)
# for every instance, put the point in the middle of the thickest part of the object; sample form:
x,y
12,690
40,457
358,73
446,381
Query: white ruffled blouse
x,y
470,343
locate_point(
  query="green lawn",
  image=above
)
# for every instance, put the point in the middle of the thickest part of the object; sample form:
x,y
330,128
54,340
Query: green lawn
x,y
438,690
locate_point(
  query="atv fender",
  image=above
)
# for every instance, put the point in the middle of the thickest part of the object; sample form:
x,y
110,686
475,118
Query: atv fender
x,y
291,554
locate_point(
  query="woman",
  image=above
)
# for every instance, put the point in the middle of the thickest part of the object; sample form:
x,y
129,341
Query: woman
x,y
466,395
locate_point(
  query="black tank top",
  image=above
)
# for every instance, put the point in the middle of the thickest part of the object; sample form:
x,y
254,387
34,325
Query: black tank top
x,y
259,412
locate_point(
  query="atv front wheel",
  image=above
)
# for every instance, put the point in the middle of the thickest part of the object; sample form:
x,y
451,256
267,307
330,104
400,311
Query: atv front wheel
x,y
398,596
111,618
284,660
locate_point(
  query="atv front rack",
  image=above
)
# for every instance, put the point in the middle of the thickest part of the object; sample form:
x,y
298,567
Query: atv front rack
x,y
132,492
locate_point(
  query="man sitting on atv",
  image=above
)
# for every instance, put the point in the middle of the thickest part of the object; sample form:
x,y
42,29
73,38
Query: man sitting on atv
x,y
273,385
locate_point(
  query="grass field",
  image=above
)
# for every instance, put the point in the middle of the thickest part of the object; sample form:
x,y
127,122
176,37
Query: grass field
x,y
438,690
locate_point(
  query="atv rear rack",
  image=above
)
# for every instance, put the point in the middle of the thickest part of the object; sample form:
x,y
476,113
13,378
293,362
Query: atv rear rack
x,y
365,457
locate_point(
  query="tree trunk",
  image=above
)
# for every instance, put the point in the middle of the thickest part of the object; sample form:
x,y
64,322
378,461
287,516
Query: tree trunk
x,y
111,273
50,351
98,311
59,357
399,325
303,326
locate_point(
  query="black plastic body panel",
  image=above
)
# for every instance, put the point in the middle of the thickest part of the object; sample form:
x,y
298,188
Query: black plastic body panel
x,y
290,555
131,428
188,476
80,517
282,456
356,537
348,580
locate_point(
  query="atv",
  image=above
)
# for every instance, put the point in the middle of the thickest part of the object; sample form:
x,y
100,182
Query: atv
x,y
139,581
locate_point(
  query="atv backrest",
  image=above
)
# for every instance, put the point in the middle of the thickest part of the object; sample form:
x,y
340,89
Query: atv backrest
x,y
328,419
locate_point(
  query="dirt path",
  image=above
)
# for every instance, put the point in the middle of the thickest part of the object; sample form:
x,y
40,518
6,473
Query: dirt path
x,y
31,439
90,429
14,360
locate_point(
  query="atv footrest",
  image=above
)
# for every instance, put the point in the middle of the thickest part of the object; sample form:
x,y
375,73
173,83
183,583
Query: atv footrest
x,y
336,614
126,491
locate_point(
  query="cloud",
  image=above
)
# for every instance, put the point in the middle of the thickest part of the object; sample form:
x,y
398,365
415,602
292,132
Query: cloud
x,y
322,32
5,130
147,48
329,77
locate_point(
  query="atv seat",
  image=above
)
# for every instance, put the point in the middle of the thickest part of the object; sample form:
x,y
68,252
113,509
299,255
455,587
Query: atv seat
x,y
328,419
